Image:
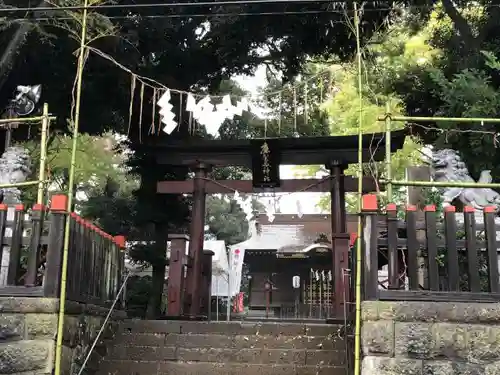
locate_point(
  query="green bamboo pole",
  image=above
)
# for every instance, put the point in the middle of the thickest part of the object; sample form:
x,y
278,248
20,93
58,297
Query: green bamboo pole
x,y
43,154
439,119
25,119
20,184
357,292
452,184
388,156
64,266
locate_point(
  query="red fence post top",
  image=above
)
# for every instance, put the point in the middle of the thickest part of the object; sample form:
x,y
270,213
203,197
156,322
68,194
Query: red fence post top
x,y
73,215
391,207
369,202
353,237
59,202
490,209
120,241
430,208
411,207
38,207
450,209
19,207
469,209
3,207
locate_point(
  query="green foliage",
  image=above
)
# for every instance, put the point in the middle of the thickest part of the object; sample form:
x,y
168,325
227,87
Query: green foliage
x,y
138,294
98,161
342,108
458,77
226,220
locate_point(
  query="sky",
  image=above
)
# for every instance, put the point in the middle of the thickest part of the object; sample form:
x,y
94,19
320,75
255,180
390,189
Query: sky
x,y
287,202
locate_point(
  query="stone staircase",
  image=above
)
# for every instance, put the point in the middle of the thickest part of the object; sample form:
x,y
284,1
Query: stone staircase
x,y
159,347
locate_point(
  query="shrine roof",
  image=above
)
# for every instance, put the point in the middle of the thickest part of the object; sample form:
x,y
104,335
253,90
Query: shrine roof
x,y
289,233
294,151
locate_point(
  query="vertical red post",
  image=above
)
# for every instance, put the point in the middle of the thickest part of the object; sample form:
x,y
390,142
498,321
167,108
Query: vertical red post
x,y
197,233
206,285
52,282
176,265
370,247
340,237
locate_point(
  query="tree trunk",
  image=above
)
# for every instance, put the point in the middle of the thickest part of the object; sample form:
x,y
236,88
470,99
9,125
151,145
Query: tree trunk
x,y
154,304
158,278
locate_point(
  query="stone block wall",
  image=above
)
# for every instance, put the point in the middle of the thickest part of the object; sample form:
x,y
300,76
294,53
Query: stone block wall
x,y
429,338
28,329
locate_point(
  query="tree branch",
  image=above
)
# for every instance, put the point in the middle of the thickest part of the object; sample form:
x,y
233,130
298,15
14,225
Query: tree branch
x,y
461,24
8,56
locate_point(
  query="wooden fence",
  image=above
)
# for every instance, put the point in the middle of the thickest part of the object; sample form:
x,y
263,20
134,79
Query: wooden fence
x,y
430,256
32,252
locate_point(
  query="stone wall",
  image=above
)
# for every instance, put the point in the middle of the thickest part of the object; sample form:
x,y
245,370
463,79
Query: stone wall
x,y
28,328
428,338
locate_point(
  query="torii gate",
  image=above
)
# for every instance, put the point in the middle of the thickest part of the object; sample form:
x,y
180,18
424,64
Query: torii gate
x,y
264,156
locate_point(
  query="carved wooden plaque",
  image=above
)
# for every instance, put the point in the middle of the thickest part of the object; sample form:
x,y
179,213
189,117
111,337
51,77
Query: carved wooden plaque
x,y
266,159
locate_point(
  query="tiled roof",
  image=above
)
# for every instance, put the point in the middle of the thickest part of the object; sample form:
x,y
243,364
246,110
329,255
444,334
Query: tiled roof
x,y
290,233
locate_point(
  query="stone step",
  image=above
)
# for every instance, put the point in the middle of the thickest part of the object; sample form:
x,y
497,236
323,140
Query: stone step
x,y
232,328
224,355
129,367
230,342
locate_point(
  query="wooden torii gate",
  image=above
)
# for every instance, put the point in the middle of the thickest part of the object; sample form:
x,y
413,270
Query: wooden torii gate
x,y
263,156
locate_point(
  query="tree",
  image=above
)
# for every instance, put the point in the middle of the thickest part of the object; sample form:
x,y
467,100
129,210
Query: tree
x,y
341,109
98,160
458,77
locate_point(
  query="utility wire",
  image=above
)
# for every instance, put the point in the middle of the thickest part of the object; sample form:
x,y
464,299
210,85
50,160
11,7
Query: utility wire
x,y
187,15
159,5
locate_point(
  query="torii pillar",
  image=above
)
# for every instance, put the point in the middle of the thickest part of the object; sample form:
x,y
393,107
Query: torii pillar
x,y
192,298
340,237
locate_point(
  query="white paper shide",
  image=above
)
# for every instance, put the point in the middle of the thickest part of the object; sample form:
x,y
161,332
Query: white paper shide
x,y
203,111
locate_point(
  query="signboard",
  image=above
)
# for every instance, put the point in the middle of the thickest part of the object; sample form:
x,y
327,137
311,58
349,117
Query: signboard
x,y
292,256
266,160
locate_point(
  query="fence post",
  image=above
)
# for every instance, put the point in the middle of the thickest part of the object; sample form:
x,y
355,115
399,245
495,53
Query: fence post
x,y
3,219
412,246
109,255
15,247
491,245
432,254
471,249
392,246
370,246
52,280
37,217
450,232
78,254
120,243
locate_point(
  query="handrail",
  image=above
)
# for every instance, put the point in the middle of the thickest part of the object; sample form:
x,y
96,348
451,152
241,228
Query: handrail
x,y
101,330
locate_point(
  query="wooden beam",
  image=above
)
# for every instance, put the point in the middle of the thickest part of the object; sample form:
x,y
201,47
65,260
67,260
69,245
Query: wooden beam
x,y
245,186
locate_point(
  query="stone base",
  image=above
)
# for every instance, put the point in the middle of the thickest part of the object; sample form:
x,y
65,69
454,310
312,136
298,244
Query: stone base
x,y
430,338
28,329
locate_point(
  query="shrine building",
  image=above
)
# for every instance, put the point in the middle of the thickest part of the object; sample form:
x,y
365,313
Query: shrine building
x,y
291,246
